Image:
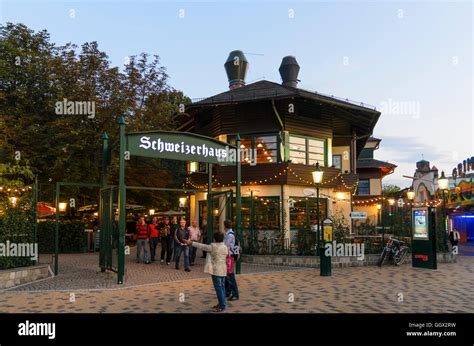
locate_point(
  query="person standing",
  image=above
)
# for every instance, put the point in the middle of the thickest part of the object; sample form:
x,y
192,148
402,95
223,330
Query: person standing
x,y
180,237
166,248
232,291
154,234
142,240
171,242
454,237
196,236
216,266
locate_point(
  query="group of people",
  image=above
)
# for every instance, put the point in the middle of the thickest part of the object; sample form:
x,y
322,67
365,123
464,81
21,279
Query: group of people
x,y
178,239
171,236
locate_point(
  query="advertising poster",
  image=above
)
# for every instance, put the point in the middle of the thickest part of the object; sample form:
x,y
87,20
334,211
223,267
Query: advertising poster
x,y
420,224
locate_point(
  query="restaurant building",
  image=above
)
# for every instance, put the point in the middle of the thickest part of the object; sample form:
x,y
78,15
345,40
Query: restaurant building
x,y
284,131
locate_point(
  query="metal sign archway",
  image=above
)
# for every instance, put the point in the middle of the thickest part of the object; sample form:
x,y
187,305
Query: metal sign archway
x,y
176,146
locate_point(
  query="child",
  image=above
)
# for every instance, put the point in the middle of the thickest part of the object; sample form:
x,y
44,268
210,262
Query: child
x,y
216,266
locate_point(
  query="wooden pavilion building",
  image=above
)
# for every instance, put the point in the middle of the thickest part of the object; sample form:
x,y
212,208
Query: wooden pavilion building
x,y
284,131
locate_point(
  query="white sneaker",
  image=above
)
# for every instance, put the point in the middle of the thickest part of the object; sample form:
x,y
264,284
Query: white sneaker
x,y
161,261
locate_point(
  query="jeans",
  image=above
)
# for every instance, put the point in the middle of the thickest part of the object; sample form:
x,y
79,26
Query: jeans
x,y
231,288
219,286
171,249
153,244
185,250
192,254
165,249
142,244
174,246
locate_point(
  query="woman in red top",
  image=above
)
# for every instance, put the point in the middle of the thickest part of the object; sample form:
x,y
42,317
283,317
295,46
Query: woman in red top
x,y
154,234
142,239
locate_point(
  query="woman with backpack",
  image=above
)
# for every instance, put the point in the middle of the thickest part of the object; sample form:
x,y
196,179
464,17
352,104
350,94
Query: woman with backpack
x,y
216,266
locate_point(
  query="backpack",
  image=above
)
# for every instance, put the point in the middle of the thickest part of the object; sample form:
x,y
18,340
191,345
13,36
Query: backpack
x,y
236,249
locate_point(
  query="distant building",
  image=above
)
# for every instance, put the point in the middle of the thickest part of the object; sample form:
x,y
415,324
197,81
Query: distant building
x,y
459,197
425,183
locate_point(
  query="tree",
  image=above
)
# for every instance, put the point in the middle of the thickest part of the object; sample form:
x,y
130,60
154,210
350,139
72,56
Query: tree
x,y
390,190
36,76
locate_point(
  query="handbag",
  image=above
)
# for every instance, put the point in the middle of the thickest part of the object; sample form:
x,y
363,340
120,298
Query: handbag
x,y
165,231
230,264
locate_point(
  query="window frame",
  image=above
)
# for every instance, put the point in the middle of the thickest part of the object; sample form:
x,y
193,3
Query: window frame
x,y
340,157
308,210
368,187
306,149
252,137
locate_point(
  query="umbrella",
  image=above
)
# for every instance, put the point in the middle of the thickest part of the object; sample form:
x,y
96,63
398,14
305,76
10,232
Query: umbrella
x,y
170,213
95,207
43,210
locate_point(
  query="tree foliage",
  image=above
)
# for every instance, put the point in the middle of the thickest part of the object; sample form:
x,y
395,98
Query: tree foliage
x,y
389,190
35,74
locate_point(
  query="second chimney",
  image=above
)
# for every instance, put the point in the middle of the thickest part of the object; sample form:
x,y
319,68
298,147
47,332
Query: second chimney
x,y
289,70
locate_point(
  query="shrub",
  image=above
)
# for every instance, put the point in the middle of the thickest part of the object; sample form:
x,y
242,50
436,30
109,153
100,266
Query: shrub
x,y
72,238
16,226
340,226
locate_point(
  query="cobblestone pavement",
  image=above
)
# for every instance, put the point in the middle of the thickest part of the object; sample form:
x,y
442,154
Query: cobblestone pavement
x,y
81,271
360,289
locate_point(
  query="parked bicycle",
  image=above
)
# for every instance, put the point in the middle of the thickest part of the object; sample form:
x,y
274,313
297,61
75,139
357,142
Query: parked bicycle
x,y
395,251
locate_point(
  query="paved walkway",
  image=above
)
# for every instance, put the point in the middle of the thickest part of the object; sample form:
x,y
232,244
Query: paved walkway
x,y
81,272
362,289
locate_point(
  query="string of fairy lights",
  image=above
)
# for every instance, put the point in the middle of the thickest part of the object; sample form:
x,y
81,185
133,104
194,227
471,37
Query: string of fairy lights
x,y
351,188
268,179
14,193
15,190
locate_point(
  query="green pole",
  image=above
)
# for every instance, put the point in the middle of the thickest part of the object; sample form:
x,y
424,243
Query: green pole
x,y
35,212
252,221
121,204
318,223
103,182
445,230
325,261
210,221
239,201
318,230
383,224
56,233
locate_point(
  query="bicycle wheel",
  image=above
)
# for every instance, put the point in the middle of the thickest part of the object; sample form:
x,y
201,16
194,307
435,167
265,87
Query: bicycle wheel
x,y
401,255
382,257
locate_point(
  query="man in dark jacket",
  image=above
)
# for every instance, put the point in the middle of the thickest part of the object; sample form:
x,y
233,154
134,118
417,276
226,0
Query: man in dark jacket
x,y
181,235
166,238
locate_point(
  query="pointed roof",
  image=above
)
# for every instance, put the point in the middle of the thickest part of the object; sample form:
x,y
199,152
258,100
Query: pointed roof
x,y
385,167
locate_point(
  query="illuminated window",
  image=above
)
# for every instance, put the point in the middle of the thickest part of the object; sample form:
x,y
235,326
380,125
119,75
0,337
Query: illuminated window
x,y
259,148
303,213
306,151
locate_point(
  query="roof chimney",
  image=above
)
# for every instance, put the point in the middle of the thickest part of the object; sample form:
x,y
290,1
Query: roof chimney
x,y
236,67
289,70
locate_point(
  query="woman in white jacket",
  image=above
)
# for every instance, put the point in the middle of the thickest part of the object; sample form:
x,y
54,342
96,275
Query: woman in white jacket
x,y
216,265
